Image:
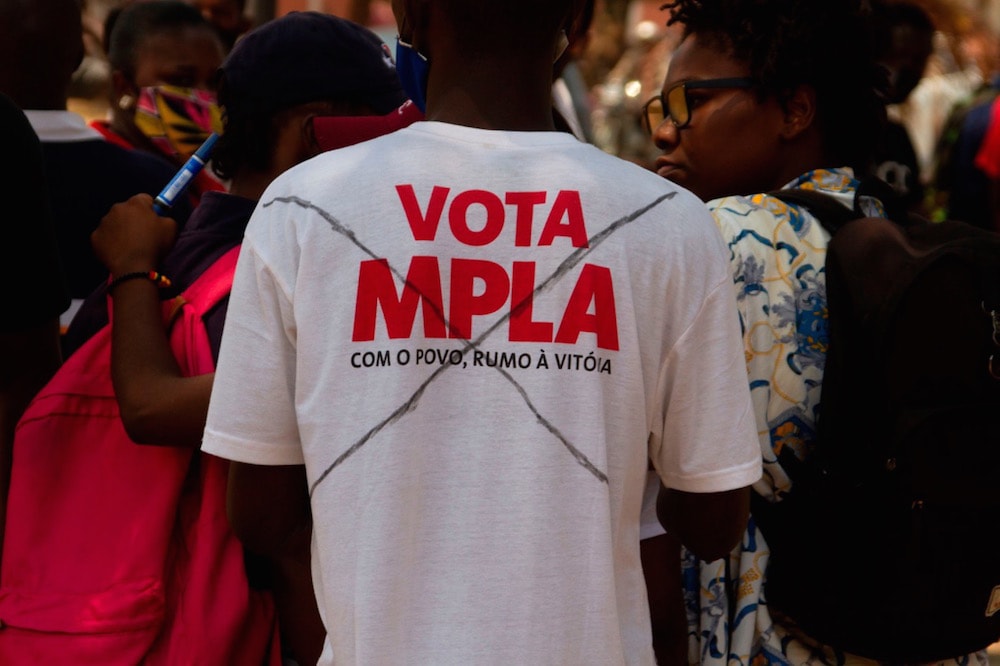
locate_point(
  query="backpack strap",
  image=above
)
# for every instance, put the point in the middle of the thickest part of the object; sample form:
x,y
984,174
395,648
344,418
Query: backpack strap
x,y
831,213
210,287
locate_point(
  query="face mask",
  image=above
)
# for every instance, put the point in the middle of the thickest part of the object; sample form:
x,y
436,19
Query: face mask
x,y
177,120
412,68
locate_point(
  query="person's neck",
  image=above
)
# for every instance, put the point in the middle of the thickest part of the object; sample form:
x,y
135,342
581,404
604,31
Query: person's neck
x,y
251,184
502,95
131,134
806,154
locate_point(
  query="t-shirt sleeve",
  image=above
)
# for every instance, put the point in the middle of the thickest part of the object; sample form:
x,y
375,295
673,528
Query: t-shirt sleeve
x,y
251,415
705,373
29,255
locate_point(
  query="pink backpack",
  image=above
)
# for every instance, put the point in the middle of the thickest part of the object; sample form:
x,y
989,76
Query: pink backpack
x,y
120,553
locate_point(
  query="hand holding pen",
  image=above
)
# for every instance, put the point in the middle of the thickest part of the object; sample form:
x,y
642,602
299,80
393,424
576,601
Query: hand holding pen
x,y
135,235
132,238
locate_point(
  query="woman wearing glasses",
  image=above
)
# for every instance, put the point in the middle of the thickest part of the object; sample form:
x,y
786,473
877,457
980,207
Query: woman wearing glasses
x,y
763,95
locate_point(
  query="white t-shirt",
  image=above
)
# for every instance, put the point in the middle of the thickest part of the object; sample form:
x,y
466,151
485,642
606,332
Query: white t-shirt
x,y
476,442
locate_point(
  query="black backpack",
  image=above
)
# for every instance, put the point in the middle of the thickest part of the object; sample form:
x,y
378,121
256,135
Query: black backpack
x,y
888,545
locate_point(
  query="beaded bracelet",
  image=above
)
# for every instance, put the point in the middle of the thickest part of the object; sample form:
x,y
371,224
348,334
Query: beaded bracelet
x,y
157,278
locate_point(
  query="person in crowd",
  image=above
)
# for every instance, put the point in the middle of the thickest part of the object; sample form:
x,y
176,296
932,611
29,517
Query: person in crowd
x,y
987,162
228,16
90,80
904,39
163,56
750,106
41,44
570,97
957,67
959,190
29,334
454,351
278,82
962,189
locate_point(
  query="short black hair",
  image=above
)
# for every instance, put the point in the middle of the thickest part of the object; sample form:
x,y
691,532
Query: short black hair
x,y
126,29
827,45
248,138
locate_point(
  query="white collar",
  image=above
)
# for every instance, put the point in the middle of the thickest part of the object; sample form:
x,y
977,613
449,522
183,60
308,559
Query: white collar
x,y
61,126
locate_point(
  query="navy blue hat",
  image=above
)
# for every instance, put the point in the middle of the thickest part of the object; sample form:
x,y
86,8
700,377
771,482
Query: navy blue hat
x,y
307,57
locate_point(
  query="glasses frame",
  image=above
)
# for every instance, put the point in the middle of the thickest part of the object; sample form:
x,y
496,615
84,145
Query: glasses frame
x,y
685,86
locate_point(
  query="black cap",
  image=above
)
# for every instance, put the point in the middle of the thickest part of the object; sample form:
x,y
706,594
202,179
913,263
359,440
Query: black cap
x,y
310,56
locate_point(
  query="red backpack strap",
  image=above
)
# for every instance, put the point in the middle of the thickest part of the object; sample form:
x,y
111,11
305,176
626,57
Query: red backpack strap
x,y
209,288
214,283
184,314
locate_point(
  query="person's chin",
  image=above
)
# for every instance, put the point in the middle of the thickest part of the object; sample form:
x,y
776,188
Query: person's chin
x,y
673,173
683,179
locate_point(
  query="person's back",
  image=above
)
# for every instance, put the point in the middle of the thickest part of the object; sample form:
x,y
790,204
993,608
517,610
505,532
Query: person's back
x,y
475,350
492,384
40,47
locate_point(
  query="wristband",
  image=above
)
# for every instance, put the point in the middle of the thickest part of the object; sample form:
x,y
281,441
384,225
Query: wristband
x,y
157,278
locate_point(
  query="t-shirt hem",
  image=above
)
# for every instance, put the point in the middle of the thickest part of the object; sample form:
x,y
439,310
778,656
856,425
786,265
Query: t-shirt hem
x,y
247,451
732,479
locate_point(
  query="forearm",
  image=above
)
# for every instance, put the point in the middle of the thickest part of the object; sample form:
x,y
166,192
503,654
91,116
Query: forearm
x,y
158,404
661,566
269,508
302,630
710,525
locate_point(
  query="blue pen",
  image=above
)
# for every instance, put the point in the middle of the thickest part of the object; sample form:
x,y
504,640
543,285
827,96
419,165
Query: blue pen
x,y
165,199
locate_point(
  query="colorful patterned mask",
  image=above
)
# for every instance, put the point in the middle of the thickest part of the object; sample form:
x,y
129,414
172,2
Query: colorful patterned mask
x,y
177,120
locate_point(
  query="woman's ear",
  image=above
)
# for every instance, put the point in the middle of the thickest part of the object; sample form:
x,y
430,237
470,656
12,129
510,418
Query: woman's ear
x,y
800,111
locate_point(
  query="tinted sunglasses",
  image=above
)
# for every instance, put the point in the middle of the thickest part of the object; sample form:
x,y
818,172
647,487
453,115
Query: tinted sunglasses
x,y
675,103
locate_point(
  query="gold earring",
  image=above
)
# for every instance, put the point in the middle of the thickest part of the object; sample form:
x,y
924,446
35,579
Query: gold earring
x,y
126,102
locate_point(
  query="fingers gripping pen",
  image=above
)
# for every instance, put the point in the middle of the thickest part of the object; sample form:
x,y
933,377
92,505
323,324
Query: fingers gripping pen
x,y
165,199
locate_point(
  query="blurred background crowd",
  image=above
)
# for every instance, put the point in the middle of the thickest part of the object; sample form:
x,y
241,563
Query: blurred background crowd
x,y
614,65
623,60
